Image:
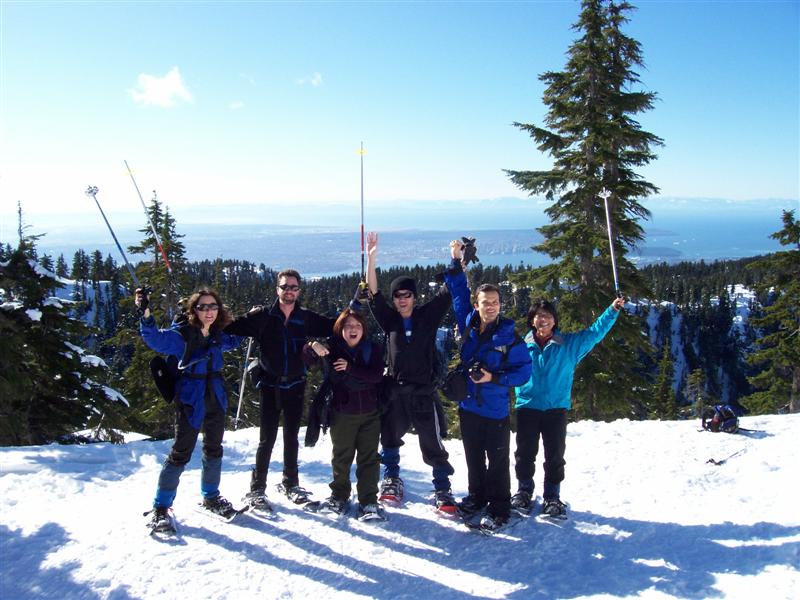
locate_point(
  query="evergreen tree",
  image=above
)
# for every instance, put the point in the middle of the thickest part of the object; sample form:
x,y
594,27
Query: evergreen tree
x,y
595,144
664,404
777,383
62,270
49,385
696,391
80,266
47,262
150,412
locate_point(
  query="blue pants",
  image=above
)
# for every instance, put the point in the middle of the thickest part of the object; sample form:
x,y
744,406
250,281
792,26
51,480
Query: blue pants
x,y
182,448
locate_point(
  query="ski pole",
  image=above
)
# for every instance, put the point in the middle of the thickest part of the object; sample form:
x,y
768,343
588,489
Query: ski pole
x,y
92,191
355,303
362,152
604,195
242,383
149,220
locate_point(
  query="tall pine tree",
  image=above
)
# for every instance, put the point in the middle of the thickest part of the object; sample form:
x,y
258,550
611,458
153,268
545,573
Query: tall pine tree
x,y
595,144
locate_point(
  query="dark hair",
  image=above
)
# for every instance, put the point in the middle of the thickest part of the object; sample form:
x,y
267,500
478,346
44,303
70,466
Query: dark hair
x,y
338,326
223,316
289,273
545,305
487,287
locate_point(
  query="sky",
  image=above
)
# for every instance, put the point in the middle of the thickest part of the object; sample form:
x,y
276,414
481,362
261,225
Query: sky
x,y
650,518
267,102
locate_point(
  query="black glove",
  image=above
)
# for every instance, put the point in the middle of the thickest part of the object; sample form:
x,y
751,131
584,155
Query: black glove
x,y
143,295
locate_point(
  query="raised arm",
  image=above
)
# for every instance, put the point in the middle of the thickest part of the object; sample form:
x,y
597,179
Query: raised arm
x,y
372,256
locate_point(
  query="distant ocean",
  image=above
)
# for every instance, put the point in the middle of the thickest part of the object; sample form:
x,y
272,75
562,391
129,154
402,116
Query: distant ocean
x,y
679,230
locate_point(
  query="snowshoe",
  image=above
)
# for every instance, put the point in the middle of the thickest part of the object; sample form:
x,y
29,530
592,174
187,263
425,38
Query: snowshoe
x,y
445,502
162,521
295,493
391,491
469,507
371,512
522,502
257,505
493,524
219,507
330,505
554,509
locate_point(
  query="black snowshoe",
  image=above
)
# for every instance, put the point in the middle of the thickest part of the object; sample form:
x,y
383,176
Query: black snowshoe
x,y
295,493
162,521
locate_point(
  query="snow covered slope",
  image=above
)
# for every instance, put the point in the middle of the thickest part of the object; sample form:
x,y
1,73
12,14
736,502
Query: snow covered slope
x,y
649,517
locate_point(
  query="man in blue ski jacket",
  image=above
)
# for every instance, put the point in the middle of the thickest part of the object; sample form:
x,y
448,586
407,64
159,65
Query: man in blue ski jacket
x,y
542,403
493,360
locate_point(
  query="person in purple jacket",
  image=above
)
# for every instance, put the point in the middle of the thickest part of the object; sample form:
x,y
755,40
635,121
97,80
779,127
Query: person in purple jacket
x,y
200,400
355,371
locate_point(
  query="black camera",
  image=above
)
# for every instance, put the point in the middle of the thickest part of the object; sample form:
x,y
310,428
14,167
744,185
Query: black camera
x,y
470,251
475,371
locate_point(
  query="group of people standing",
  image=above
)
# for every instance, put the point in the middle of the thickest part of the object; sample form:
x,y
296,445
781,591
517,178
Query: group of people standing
x,y
380,400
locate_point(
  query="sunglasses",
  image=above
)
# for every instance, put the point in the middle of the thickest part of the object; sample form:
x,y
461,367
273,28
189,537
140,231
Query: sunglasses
x,y
289,288
206,307
403,295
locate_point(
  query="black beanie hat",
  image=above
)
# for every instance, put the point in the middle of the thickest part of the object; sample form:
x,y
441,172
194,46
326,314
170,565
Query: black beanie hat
x,y
403,283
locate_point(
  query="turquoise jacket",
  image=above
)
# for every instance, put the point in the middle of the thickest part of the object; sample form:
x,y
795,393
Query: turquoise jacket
x,y
553,368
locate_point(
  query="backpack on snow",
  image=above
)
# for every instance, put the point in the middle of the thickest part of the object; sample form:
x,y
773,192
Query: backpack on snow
x,y
722,417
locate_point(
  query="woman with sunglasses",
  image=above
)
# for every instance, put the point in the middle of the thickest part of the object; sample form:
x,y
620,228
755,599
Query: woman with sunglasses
x,y
200,399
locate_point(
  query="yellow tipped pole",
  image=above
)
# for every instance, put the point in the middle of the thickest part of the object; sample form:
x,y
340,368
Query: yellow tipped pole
x,y
362,152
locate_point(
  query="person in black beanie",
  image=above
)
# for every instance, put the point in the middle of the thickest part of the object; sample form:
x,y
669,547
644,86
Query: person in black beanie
x,y
411,397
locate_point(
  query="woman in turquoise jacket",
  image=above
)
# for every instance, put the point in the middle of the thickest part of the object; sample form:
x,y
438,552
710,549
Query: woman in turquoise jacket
x,y
543,402
200,399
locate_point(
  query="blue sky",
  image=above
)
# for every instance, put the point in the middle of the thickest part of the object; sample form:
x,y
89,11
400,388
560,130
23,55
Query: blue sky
x,y
264,102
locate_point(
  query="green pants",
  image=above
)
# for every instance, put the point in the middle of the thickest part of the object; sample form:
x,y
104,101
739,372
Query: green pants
x,y
356,436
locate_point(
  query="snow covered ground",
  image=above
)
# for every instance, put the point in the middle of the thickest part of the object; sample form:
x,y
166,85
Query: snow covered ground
x,y
649,518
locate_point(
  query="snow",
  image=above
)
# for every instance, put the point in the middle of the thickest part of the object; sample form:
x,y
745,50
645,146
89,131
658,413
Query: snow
x,y
34,314
649,518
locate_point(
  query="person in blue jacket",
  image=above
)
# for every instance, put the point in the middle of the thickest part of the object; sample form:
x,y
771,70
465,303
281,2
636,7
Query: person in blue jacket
x,y
200,399
542,403
495,359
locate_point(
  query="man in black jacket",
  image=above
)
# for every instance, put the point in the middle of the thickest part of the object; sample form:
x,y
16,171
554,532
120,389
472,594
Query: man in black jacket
x,y
281,332
412,397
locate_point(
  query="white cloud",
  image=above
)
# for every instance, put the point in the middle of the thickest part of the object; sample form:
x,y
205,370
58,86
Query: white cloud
x,y
236,105
248,78
163,91
314,80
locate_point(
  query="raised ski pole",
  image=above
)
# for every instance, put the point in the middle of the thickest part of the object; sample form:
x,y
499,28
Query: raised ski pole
x,y
355,303
242,383
92,191
149,220
362,152
604,195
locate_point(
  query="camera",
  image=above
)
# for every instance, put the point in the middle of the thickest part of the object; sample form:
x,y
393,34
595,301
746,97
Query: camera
x,y
475,372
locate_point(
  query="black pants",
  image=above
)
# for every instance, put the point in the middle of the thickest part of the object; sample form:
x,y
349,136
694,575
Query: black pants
x,y
552,426
275,400
406,407
487,440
